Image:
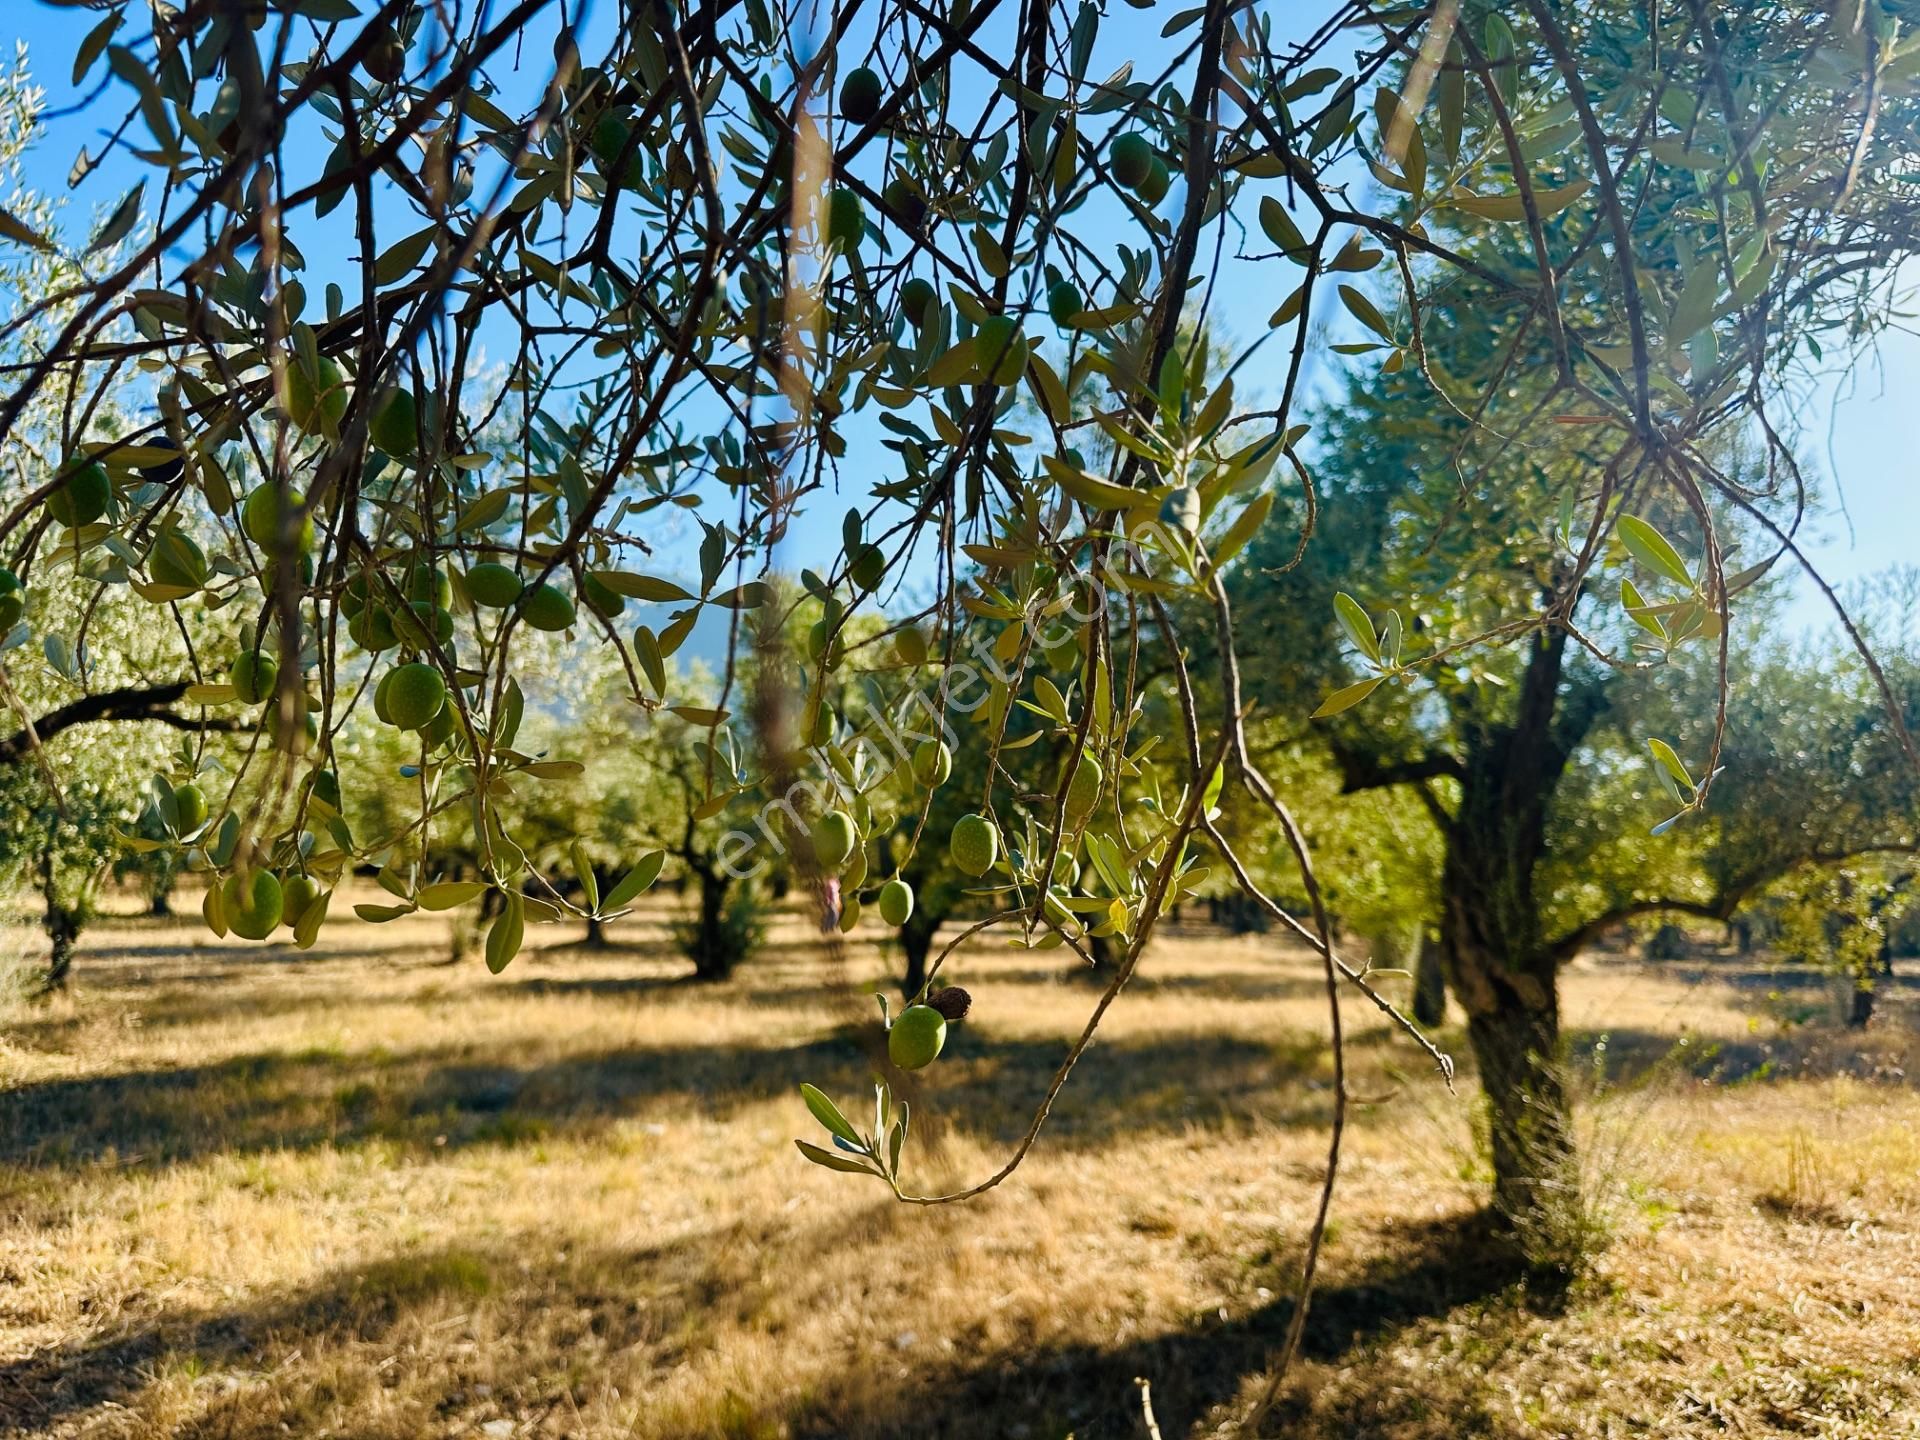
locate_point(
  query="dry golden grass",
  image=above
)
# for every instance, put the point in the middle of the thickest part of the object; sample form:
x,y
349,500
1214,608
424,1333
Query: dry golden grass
x,y
246,1192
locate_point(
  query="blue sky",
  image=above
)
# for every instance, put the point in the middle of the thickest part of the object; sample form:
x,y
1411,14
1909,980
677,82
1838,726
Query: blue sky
x,y
1856,431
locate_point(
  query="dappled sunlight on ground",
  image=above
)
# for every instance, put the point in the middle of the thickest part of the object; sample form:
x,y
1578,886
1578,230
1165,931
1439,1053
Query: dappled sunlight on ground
x,y
363,1191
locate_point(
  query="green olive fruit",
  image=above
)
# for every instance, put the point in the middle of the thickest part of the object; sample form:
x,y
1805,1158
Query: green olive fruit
x,y
1064,302
603,601
916,1037
1130,157
395,427
974,845
846,219
253,904
13,600
821,731
869,567
175,560
430,583
824,646
82,497
919,300
415,694
933,763
860,95
910,644
1002,350
1083,791
439,730
296,895
372,629
317,403
833,839
189,808
385,59
254,676
896,902
1159,180
423,619
382,706
609,142
547,608
260,518
353,595
609,139
493,586
905,202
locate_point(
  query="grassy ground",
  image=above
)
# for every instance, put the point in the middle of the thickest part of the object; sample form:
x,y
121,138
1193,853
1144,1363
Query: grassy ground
x,y
360,1192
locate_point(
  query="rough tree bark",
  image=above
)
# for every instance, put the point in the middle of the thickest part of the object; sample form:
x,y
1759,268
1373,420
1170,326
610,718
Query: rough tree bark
x,y
1866,989
709,952
1493,952
916,942
1429,981
62,923
1499,964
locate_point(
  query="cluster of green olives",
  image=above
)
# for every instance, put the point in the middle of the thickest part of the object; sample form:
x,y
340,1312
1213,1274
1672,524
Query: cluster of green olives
x,y
256,903
973,844
1138,166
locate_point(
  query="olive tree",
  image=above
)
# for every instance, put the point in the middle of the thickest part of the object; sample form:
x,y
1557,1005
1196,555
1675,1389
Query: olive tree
x,y
1550,770
729,254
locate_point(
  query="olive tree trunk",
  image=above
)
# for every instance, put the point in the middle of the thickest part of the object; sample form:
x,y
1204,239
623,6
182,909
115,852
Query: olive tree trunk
x,y
916,943
1499,965
1866,988
1513,1028
711,955
62,922
1429,981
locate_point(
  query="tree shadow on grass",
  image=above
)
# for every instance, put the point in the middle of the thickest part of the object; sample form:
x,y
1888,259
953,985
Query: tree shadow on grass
x,y
453,1097
1767,978
556,1304
1089,1391
1248,985
809,992
359,1303
654,1305
1619,1056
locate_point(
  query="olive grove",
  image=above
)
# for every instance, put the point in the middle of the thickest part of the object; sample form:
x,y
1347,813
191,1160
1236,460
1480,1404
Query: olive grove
x,y
433,327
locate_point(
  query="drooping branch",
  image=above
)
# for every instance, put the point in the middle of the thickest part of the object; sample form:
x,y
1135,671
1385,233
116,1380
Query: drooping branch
x,y
1724,906
1359,771
129,702
1573,943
